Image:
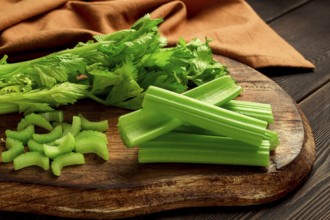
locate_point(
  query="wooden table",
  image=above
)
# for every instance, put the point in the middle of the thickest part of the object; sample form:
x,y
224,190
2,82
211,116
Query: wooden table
x,y
305,24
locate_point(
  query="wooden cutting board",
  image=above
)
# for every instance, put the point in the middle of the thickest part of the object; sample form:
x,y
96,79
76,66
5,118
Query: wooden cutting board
x,y
121,187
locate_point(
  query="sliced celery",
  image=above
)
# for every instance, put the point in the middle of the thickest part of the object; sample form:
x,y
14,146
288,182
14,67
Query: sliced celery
x,y
65,144
35,146
66,127
64,160
143,125
9,155
11,142
48,137
257,110
86,124
216,119
194,148
23,135
36,120
56,115
92,142
31,159
76,125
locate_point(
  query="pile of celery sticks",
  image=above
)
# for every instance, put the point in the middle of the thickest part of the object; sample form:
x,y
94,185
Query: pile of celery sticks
x,y
202,125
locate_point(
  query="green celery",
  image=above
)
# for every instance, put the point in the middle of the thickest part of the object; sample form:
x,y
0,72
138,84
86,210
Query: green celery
x,y
23,135
76,125
31,159
89,141
257,110
63,145
143,125
56,115
195,148
216,119
48,137
10,154
64,160
12,142
35,146
86,124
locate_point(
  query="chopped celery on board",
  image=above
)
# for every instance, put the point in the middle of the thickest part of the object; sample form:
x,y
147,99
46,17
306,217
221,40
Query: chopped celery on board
x,y
43,148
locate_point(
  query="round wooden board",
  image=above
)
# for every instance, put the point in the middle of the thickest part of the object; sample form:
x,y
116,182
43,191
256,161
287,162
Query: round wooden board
x,y
121,187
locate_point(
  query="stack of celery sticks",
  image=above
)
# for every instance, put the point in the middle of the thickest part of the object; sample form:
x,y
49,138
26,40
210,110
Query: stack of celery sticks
x,y
202,125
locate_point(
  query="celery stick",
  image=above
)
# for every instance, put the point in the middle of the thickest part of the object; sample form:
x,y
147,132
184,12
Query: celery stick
x,y
257,110
216,119
269,135
273,138
23,135
143,125
31,159
48,137
192,148
12,153
64,160
92,142
101,126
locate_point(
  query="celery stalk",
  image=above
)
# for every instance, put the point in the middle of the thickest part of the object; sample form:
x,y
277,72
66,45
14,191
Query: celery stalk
x,y
216,119
194,148
257,110
143,125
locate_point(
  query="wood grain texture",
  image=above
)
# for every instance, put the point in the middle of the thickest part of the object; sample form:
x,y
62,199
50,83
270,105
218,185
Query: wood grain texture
x,y
270,10
123,188
307,30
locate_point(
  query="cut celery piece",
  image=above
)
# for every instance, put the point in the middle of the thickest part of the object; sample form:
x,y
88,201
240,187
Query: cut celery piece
x,y
216,119
65,144
11,142
22,135
257,110
92,142
56,115
143,125
35,119
31,159
66,127
12,153
101,126
48,137
35,146
64,160
193,148
76,125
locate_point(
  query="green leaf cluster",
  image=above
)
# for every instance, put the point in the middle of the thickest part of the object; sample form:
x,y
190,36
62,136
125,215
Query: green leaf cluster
x,y
114,69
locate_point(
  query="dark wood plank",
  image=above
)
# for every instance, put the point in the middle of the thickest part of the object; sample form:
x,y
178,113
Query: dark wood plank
x,y
307,30
270,10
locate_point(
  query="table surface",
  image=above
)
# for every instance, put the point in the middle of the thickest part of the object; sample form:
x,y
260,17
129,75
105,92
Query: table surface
x,y
305,24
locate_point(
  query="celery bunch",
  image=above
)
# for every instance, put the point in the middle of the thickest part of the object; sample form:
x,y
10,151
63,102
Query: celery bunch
x,y
191,128
113,69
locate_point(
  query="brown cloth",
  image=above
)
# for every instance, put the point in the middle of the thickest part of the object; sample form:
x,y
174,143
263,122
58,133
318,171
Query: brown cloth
x,y
30,28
